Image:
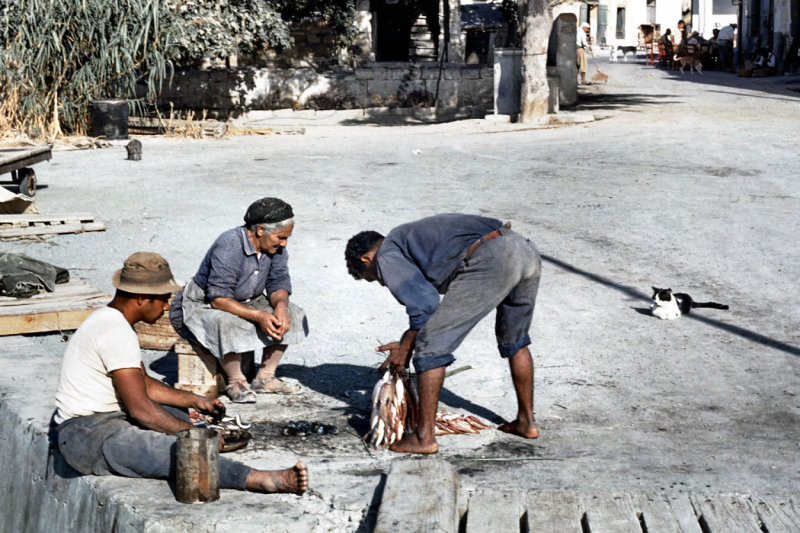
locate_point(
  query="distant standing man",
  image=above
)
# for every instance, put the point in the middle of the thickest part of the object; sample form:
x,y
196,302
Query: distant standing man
x,y
478,264
725,44
582,44
115,419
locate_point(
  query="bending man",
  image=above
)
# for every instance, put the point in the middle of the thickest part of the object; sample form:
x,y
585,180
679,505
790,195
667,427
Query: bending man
x,y
115,419
479,265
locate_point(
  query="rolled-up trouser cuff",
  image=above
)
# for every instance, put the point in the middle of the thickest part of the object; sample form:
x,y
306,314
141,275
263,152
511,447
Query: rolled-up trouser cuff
x,y
232,474
510,349
421,364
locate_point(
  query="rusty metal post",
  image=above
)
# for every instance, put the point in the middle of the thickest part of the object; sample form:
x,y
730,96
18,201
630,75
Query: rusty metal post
x,y
197,466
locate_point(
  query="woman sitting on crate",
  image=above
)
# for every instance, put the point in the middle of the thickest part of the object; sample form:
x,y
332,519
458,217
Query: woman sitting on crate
x,y
238,301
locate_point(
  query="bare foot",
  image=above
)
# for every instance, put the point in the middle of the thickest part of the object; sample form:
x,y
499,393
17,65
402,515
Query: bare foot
x,y
412,444
289,480
524,430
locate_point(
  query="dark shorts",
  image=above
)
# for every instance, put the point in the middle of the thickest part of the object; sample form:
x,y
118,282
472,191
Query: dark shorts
x,y
502,274
105,444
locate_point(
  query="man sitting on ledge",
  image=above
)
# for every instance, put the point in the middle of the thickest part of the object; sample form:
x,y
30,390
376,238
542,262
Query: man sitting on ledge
x,y
115,419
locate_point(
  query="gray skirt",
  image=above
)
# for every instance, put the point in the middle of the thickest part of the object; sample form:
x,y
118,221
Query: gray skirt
x,y
222,333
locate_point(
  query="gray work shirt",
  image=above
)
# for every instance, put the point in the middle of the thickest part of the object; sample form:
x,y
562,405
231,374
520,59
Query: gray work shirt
x,y
233,269
418,260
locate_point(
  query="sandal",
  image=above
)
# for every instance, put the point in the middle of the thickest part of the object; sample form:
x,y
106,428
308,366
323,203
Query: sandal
x,y
276,386
239,392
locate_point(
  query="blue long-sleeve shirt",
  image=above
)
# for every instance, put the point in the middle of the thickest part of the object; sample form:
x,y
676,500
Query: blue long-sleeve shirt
x,y
232,269
417,261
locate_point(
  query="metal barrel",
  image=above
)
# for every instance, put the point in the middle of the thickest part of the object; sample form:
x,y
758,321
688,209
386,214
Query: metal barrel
x,y
110,119
197,466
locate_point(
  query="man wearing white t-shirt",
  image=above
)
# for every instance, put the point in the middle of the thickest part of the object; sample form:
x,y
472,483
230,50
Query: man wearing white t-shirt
x,y
115,419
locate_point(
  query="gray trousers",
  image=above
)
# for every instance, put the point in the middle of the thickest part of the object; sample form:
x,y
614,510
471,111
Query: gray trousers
x,y
502,274
106,444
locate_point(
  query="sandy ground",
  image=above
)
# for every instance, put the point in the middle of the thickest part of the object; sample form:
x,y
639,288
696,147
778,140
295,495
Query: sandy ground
x,y
688,182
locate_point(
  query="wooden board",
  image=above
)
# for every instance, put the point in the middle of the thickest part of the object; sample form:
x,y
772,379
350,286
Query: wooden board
x,y
14,158
726,512
778,515
670,515
61,310
198,369
553,512
493,511
610,513
27,225
420,496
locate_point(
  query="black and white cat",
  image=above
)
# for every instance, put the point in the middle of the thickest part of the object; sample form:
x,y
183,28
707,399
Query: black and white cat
x,y
668,306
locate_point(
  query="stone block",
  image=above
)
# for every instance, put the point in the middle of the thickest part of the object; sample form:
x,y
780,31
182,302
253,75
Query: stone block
x,y
470,73
398,74
365,74
430,73
451,73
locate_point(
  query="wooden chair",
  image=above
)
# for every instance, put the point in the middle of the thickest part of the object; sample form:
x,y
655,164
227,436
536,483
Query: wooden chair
x,y
650,51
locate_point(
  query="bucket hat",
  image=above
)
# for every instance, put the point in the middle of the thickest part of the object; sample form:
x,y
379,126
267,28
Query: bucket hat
x,y
145,273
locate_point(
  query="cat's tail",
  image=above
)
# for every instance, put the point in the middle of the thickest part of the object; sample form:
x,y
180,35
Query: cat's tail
x,y
713,305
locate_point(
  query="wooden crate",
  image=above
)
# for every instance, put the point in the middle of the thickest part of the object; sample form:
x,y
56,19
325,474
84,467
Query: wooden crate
x,y
158,336
198,370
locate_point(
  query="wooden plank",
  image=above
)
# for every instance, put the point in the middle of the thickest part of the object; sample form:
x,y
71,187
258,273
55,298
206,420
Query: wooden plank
x,y
667,514
498,512
72,290
726,512
552,512
43,322
42,305
610,513
20,157
199,368
61,310
51,230
420,496
55,307
52,217
778,515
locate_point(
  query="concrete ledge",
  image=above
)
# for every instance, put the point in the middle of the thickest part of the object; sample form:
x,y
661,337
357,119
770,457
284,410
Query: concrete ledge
x,y
39,492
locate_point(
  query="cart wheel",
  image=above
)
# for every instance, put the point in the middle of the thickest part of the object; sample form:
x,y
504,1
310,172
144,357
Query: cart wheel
x,y
27,181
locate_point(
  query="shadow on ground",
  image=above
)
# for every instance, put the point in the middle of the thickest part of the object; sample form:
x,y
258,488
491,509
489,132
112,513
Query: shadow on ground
x,y
636,294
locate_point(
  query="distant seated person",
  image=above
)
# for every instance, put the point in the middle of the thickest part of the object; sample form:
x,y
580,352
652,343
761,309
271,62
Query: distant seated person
x,y
114,419
693,45
238,301
666,41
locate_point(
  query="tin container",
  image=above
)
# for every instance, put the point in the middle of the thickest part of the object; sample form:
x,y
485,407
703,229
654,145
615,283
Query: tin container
x,y
197,466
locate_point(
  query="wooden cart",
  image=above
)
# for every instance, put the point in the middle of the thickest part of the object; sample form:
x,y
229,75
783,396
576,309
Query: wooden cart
x,y
18,160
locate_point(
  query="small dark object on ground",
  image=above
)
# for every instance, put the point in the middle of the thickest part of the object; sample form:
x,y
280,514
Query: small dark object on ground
x,y
134,149
302,428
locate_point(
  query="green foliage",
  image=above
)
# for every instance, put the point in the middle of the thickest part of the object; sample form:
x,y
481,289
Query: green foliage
x,y
58,55
338,15
210,29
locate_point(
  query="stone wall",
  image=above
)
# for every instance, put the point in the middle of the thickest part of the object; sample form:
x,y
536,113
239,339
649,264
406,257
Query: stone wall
x,y
221,90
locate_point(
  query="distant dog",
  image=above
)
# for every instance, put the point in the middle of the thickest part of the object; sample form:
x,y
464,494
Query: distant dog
x,y
692,62
622,51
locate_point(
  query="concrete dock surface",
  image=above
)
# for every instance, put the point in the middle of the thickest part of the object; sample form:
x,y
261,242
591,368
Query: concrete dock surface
x,y
681,181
